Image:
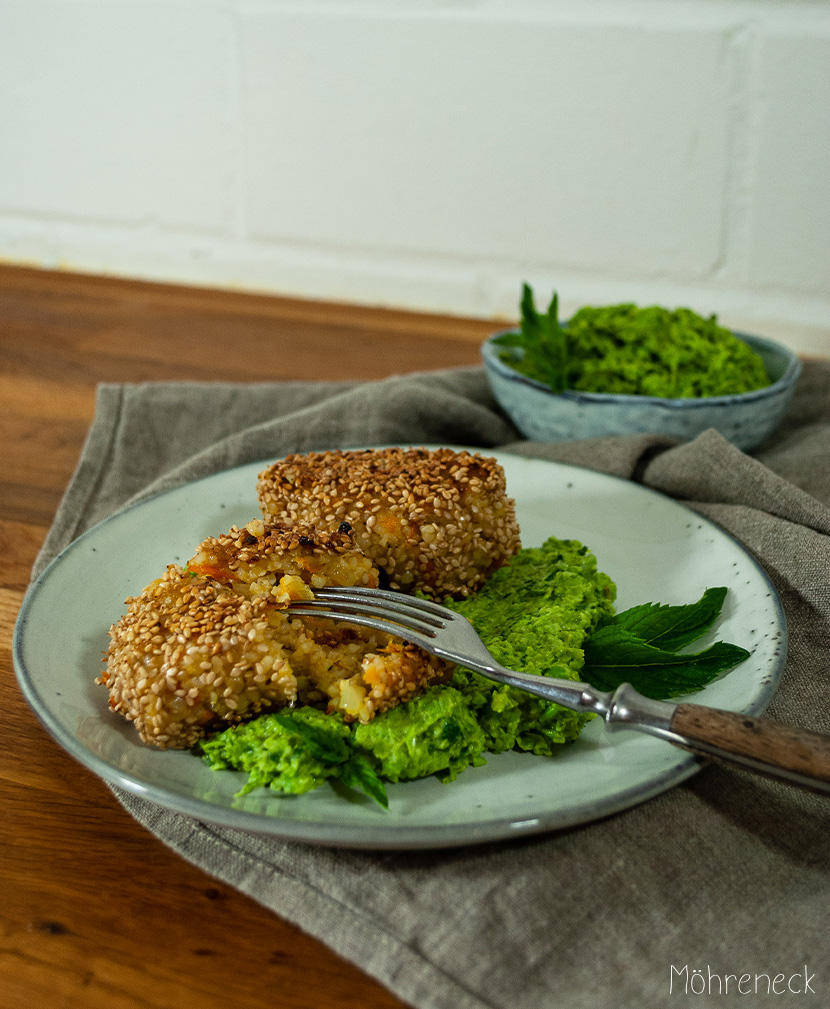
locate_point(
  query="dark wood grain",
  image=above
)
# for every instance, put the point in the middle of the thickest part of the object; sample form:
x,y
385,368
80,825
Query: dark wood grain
x,y
766,743
96,911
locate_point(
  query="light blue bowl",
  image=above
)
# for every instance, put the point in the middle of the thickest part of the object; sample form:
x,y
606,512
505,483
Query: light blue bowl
x,y
540,414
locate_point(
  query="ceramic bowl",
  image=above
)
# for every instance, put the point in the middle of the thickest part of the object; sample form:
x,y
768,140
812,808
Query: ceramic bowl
x,y
746,419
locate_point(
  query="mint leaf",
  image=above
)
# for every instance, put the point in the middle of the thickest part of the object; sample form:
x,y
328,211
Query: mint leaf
x,y
614,656
359,774
671,627
542,341
326,747
351,768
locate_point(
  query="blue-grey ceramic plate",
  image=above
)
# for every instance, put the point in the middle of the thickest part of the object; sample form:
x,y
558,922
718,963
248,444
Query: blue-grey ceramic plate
x,y
653,547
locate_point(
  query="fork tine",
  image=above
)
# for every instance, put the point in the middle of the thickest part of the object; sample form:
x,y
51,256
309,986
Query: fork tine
x,y
397,616
385,605
423,639
396,598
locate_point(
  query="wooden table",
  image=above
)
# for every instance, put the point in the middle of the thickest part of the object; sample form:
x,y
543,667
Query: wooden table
x,y
95,911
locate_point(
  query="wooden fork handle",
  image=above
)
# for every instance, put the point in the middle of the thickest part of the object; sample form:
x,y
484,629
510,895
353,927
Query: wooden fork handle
x,y
760,744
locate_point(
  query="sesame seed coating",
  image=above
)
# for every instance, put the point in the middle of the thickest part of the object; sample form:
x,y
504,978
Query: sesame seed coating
x,y
210,643
438,521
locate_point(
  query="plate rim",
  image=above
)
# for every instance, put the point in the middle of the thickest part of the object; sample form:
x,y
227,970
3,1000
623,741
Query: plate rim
x,y
377,837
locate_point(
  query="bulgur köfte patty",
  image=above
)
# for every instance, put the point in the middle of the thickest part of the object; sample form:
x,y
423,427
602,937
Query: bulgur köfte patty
x,y
208,644
435,520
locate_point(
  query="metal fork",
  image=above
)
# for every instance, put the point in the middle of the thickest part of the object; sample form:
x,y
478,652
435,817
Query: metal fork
x,y
797,756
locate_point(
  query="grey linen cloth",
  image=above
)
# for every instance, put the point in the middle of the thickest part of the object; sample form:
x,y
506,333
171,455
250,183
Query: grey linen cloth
x,y
726,874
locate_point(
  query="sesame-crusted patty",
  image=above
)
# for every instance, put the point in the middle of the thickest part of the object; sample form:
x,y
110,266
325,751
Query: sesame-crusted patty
x,y
439,521
208,644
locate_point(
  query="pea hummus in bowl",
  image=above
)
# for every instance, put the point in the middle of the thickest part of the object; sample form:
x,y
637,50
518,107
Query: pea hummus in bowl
x,y
621,370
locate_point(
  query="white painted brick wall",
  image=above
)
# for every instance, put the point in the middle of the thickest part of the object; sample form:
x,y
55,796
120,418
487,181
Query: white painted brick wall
x,y
114,114
429,154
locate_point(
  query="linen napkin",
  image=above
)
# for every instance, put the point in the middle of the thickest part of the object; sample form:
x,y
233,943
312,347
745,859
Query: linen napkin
x,y
725,875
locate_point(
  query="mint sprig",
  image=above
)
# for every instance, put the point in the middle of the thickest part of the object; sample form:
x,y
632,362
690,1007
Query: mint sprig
x,y
351,768
358,773
641,646
542,342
